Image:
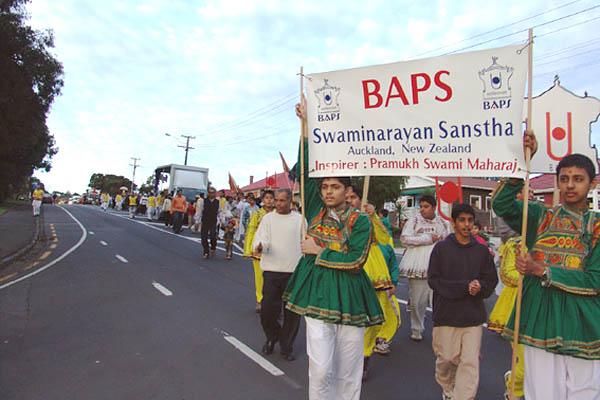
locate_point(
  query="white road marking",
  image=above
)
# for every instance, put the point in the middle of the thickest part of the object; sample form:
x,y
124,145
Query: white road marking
x,y
91,233
162,289
149,225
103,243
121,258
254,356
59,258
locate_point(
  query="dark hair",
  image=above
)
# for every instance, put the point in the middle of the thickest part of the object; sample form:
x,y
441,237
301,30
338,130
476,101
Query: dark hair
x,y
266,192
579,161
428,199
461,208
344,180
384,212
477,224
357,190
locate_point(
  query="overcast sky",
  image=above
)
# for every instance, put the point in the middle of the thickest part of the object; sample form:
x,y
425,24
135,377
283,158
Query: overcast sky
x,y
225,71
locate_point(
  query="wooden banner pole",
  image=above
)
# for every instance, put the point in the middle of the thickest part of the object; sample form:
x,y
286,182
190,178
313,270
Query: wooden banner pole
x,y
523,247
303,134
365,193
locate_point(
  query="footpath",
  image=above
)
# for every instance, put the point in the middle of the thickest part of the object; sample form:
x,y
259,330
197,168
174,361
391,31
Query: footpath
x,y
19,231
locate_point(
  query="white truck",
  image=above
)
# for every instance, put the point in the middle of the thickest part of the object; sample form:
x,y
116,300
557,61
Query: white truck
x,y
191,180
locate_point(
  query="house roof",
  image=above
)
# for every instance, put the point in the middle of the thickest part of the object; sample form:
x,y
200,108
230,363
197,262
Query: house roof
x,y
542,182
282,181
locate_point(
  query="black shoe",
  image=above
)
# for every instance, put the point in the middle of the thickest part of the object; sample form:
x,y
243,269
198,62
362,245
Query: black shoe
x,y
268,347
288,356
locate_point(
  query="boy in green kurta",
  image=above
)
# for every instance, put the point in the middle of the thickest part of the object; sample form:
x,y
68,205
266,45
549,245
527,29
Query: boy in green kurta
x,y
560,318
331,290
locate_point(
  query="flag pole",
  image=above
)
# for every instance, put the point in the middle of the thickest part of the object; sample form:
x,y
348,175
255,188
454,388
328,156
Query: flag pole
x,y
303,134
523,249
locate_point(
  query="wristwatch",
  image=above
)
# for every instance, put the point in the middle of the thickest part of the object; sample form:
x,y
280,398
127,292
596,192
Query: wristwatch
x,y
546,277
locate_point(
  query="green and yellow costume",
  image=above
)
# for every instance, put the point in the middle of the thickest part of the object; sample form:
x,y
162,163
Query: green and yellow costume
x,y
250,231
333,285
561,312
380,266
505,304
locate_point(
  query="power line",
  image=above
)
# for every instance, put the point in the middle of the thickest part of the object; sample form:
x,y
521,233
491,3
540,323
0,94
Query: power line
x,y
563,50
258,117
260,111
568,27
566,57
533,27
498,28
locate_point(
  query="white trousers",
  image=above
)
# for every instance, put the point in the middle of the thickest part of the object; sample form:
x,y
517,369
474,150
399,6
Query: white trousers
x,y
150,212
37,205
550,376
418,293
335,360
104,205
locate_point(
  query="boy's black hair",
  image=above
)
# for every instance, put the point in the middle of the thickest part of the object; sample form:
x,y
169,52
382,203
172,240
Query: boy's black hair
x,y
268,191
461,208
428,199
579,161
477,224
344,180
384,212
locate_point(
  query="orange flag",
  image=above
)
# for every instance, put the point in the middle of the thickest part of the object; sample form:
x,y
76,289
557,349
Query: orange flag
x,y
286,169
232,185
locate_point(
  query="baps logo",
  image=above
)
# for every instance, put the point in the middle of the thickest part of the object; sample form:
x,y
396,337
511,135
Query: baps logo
x,y
328,107
496,85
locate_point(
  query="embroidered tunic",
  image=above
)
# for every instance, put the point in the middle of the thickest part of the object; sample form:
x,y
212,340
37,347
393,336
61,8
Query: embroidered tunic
x,y
333,286
560,314
417,237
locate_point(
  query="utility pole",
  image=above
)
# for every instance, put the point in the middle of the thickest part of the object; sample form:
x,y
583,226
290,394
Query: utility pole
x,y
187,146
134,165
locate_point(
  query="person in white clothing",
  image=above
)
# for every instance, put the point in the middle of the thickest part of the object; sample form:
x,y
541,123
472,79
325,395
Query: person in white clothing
x,y
277,242
198,215
419,235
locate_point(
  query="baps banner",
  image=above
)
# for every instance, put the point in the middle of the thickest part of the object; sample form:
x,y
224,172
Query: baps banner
x,y
443,116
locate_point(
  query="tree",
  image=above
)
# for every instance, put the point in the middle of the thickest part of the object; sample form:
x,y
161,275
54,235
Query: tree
x,y
108,183
31,79
148,187
383,188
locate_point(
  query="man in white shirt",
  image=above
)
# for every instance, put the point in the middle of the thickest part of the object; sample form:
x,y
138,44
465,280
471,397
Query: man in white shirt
x,y
277,241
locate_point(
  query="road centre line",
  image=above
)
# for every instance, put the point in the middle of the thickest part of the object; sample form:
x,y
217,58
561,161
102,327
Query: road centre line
x,y
91,233
56,260
254,356
162,289
121,258
103,243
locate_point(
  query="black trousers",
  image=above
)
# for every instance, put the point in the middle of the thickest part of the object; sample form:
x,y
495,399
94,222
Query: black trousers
x,y
208,230
177,221
272,304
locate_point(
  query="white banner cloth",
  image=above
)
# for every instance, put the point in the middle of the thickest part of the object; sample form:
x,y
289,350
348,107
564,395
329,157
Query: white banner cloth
x,y
444,116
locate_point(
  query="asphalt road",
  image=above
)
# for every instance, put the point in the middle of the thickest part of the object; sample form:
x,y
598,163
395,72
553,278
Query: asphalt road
x,y
134,312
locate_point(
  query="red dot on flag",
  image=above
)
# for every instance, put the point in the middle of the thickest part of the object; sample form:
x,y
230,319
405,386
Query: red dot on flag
x,y
558,133
271,181
449,192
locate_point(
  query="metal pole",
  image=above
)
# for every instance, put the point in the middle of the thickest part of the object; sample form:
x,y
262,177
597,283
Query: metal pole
x,y
134,165
187,146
